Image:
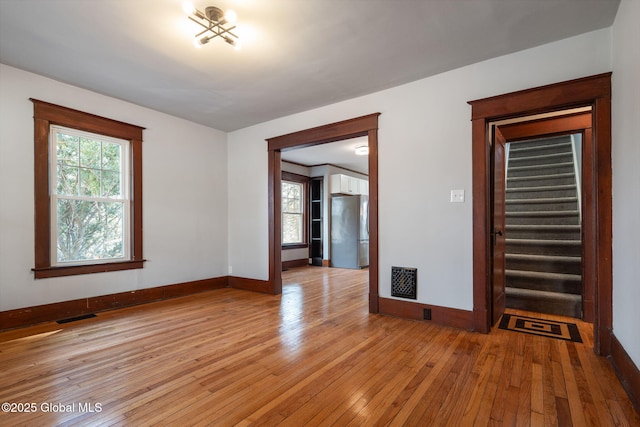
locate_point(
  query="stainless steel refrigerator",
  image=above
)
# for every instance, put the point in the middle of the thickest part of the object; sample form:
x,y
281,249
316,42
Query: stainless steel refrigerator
x,y
350,231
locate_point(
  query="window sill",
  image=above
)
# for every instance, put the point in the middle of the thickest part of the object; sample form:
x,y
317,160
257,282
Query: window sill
x,y
295,246
72,270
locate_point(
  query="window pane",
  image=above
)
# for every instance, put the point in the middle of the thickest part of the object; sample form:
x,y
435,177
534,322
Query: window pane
x,y
90,152
67,149
89,230
291,228
111,184
67,181
89,182
111,156
291,206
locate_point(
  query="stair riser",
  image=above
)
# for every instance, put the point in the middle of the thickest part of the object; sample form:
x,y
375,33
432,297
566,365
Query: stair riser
x,y
567,287
561,308
540,194
547,170
545,266
562,250
542,220
516,206
536,149
534,181
536,159
543,234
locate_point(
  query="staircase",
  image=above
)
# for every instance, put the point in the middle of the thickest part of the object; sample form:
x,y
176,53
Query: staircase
x,y
543,236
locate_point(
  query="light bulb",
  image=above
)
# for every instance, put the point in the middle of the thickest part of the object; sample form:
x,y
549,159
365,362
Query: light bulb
x,y
188,8
200,42
233,42
230,16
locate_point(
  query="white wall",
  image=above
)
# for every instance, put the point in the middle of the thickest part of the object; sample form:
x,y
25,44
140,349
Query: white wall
x,y
424,152
626,176
184,196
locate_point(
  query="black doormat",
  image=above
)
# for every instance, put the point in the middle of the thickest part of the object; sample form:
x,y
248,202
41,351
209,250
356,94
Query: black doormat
x,y
546,328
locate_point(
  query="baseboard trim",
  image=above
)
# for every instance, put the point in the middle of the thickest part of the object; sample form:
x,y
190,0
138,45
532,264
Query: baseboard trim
x,y
28,316
254,285
626,370
295,263
445,316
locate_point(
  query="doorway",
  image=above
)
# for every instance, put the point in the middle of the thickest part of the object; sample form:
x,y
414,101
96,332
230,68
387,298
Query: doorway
x,y
357,127
594,92
541,199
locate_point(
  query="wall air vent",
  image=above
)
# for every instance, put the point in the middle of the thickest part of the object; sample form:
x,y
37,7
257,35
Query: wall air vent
x,y
404,282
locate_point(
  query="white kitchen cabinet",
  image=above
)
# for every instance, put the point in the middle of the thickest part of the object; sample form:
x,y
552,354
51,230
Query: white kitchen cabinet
x,y
344,184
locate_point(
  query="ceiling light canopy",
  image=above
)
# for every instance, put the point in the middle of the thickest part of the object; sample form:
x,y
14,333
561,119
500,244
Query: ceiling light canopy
x,y
215,23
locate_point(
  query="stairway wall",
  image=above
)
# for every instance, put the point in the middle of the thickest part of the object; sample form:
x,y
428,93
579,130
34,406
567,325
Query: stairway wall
x,y
543,235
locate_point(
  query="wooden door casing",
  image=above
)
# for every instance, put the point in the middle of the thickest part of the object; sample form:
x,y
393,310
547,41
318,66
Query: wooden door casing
x,y
593,91
497,233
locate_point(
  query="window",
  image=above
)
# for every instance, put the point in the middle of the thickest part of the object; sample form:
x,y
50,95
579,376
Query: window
x,y
292,213
294,230
88,193
89,197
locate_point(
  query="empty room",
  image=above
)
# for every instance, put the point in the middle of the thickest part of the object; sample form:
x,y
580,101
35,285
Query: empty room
x,y
319,212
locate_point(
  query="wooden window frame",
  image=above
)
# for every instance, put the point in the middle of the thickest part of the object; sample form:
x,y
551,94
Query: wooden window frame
x,y
45,115
304,180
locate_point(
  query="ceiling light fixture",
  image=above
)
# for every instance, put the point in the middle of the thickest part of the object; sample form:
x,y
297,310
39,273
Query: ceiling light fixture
x,y
362,150
215,22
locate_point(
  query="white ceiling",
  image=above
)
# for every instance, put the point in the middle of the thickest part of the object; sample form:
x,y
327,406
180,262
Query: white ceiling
x,y
297,54
340,153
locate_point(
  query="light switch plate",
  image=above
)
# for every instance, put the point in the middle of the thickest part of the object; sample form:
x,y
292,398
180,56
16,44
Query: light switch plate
x,y
457,196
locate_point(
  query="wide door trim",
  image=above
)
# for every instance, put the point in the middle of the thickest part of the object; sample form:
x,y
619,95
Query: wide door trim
x,y
594,91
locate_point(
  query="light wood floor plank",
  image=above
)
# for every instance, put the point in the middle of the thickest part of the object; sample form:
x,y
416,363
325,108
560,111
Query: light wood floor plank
x,y
313,356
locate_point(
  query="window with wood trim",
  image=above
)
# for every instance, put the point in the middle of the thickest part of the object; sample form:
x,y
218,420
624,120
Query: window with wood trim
x,y
88,193
294,210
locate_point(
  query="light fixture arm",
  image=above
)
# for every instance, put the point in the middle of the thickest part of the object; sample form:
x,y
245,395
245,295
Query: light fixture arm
x,y
213,27
213,22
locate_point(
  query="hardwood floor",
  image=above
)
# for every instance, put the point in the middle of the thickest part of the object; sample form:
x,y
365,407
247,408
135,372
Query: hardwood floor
x,y
312,356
